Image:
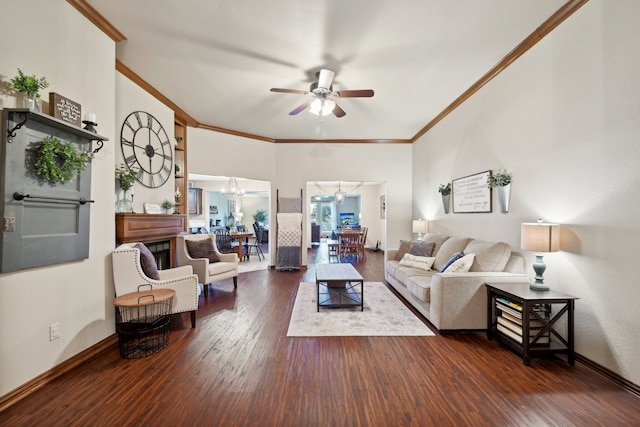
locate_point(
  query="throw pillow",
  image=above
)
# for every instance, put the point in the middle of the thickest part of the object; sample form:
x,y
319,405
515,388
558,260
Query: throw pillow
x,y
451,260
489,256
461,265
202,249
421,248
421,262
403,249
148,262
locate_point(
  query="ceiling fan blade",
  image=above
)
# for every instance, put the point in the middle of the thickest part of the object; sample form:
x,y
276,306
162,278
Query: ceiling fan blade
x,y
364,93
338,112
300,108
325,78
297,92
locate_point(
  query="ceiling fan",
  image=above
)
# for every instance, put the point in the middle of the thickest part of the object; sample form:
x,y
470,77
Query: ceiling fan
x,y
321,97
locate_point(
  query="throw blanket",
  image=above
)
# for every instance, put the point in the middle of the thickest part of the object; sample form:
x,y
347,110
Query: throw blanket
x,y
289,221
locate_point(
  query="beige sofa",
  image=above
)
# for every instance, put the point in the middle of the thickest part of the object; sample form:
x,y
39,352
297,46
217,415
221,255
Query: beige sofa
x,y
455,301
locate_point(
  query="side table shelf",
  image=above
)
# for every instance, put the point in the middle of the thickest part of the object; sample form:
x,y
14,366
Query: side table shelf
x,y
522,319
142,321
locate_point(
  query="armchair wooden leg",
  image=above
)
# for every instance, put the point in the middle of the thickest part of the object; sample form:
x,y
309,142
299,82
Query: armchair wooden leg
x,y
193,319
235,282
205,287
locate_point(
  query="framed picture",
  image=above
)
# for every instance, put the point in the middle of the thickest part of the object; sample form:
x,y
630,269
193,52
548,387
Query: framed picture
x,y
213,209
383,206
471,194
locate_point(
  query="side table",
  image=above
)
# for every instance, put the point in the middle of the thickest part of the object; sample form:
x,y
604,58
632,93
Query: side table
x,y
142,321
521,318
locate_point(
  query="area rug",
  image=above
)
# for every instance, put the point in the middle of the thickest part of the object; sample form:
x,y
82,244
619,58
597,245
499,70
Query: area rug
x,y
384,315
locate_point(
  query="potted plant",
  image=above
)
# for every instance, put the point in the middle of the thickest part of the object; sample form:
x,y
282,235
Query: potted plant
x,y
445,191
168,206
126,177
501,181
30,86
260,216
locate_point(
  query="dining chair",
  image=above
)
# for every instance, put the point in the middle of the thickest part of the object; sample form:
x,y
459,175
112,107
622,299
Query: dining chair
x,y
224,241
256,244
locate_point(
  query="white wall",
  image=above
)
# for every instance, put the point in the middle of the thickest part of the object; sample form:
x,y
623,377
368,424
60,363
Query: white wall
x,y
564,120
78,61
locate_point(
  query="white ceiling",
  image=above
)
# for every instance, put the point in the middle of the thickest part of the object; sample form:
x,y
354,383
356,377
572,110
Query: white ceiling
x,y
217,60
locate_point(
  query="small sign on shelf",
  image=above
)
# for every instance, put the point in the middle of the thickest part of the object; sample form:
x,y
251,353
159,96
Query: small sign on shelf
x,y
65,109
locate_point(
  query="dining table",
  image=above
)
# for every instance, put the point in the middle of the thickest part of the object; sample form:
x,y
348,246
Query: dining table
x,y
241,237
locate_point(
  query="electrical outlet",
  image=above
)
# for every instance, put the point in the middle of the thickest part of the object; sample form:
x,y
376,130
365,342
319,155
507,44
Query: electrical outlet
x,y
54,331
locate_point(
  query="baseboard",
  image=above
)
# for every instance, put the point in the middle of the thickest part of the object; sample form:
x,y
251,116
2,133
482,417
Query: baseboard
x,y
609,374
40,381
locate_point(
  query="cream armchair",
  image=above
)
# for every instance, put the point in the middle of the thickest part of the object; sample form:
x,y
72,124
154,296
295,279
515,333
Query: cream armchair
x,y
128,275
208,272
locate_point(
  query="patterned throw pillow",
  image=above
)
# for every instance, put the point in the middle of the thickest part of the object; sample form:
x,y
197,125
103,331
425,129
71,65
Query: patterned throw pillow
x,y
148,262
421,262
202,249
453,259
420,248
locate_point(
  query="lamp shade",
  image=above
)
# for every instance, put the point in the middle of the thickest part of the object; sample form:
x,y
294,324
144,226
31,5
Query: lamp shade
x,y
419,226
540,237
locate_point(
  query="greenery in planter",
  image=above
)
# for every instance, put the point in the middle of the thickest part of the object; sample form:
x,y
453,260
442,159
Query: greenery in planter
x,y
168,204
260,216
30,85
445,190
126,176
499,179
59,161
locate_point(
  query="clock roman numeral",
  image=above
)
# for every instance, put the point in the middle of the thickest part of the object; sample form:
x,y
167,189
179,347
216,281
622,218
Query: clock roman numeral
x,y
129,126
130,160
137,114
151,180
166,168
126,142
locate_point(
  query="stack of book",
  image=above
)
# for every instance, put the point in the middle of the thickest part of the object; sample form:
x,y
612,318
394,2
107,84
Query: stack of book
x,y
509,321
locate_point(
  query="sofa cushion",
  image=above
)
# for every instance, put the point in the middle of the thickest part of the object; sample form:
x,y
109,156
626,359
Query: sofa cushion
x,y
515,264
221,267
461,265
421,248
403,249
202,248
148,262
490,256
420,287
403,273
448,248
421,262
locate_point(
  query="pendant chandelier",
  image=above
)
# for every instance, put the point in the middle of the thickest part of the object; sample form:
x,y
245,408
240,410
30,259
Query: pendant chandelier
x,y
340,195
232,188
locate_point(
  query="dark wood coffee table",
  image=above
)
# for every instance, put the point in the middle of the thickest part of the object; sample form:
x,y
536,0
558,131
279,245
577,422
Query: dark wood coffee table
x,y
339,285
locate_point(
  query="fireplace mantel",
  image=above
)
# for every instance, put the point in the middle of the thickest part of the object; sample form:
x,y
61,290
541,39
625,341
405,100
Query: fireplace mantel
x,y
148,228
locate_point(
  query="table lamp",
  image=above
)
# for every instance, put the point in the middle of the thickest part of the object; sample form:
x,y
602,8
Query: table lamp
x,y
419,226
540,237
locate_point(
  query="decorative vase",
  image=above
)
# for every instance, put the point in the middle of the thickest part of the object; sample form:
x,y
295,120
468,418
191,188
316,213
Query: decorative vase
x,y
445,203
124,205
33,103
504,194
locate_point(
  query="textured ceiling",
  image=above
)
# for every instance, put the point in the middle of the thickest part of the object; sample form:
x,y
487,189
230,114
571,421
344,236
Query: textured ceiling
x,y
217,60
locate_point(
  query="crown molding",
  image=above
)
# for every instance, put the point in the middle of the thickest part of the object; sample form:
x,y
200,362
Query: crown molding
x,y
98,20
344,141
236,133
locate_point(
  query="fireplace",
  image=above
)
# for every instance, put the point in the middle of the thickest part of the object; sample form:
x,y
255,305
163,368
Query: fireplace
x,y
157,232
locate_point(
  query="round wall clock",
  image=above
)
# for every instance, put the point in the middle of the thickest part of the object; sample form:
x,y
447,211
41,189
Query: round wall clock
x,y
146,147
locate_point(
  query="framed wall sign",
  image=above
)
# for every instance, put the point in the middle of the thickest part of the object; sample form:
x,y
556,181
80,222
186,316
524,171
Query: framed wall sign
x,y
471,194
64,109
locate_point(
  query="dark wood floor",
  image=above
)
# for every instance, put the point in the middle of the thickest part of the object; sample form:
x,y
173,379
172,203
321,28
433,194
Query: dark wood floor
x,y
238,368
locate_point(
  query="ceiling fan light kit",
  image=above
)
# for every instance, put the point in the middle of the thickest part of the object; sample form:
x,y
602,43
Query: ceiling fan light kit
x,y
323,98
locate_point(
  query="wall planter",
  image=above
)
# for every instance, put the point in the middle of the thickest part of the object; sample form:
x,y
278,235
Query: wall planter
x,y
446,202
504,195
